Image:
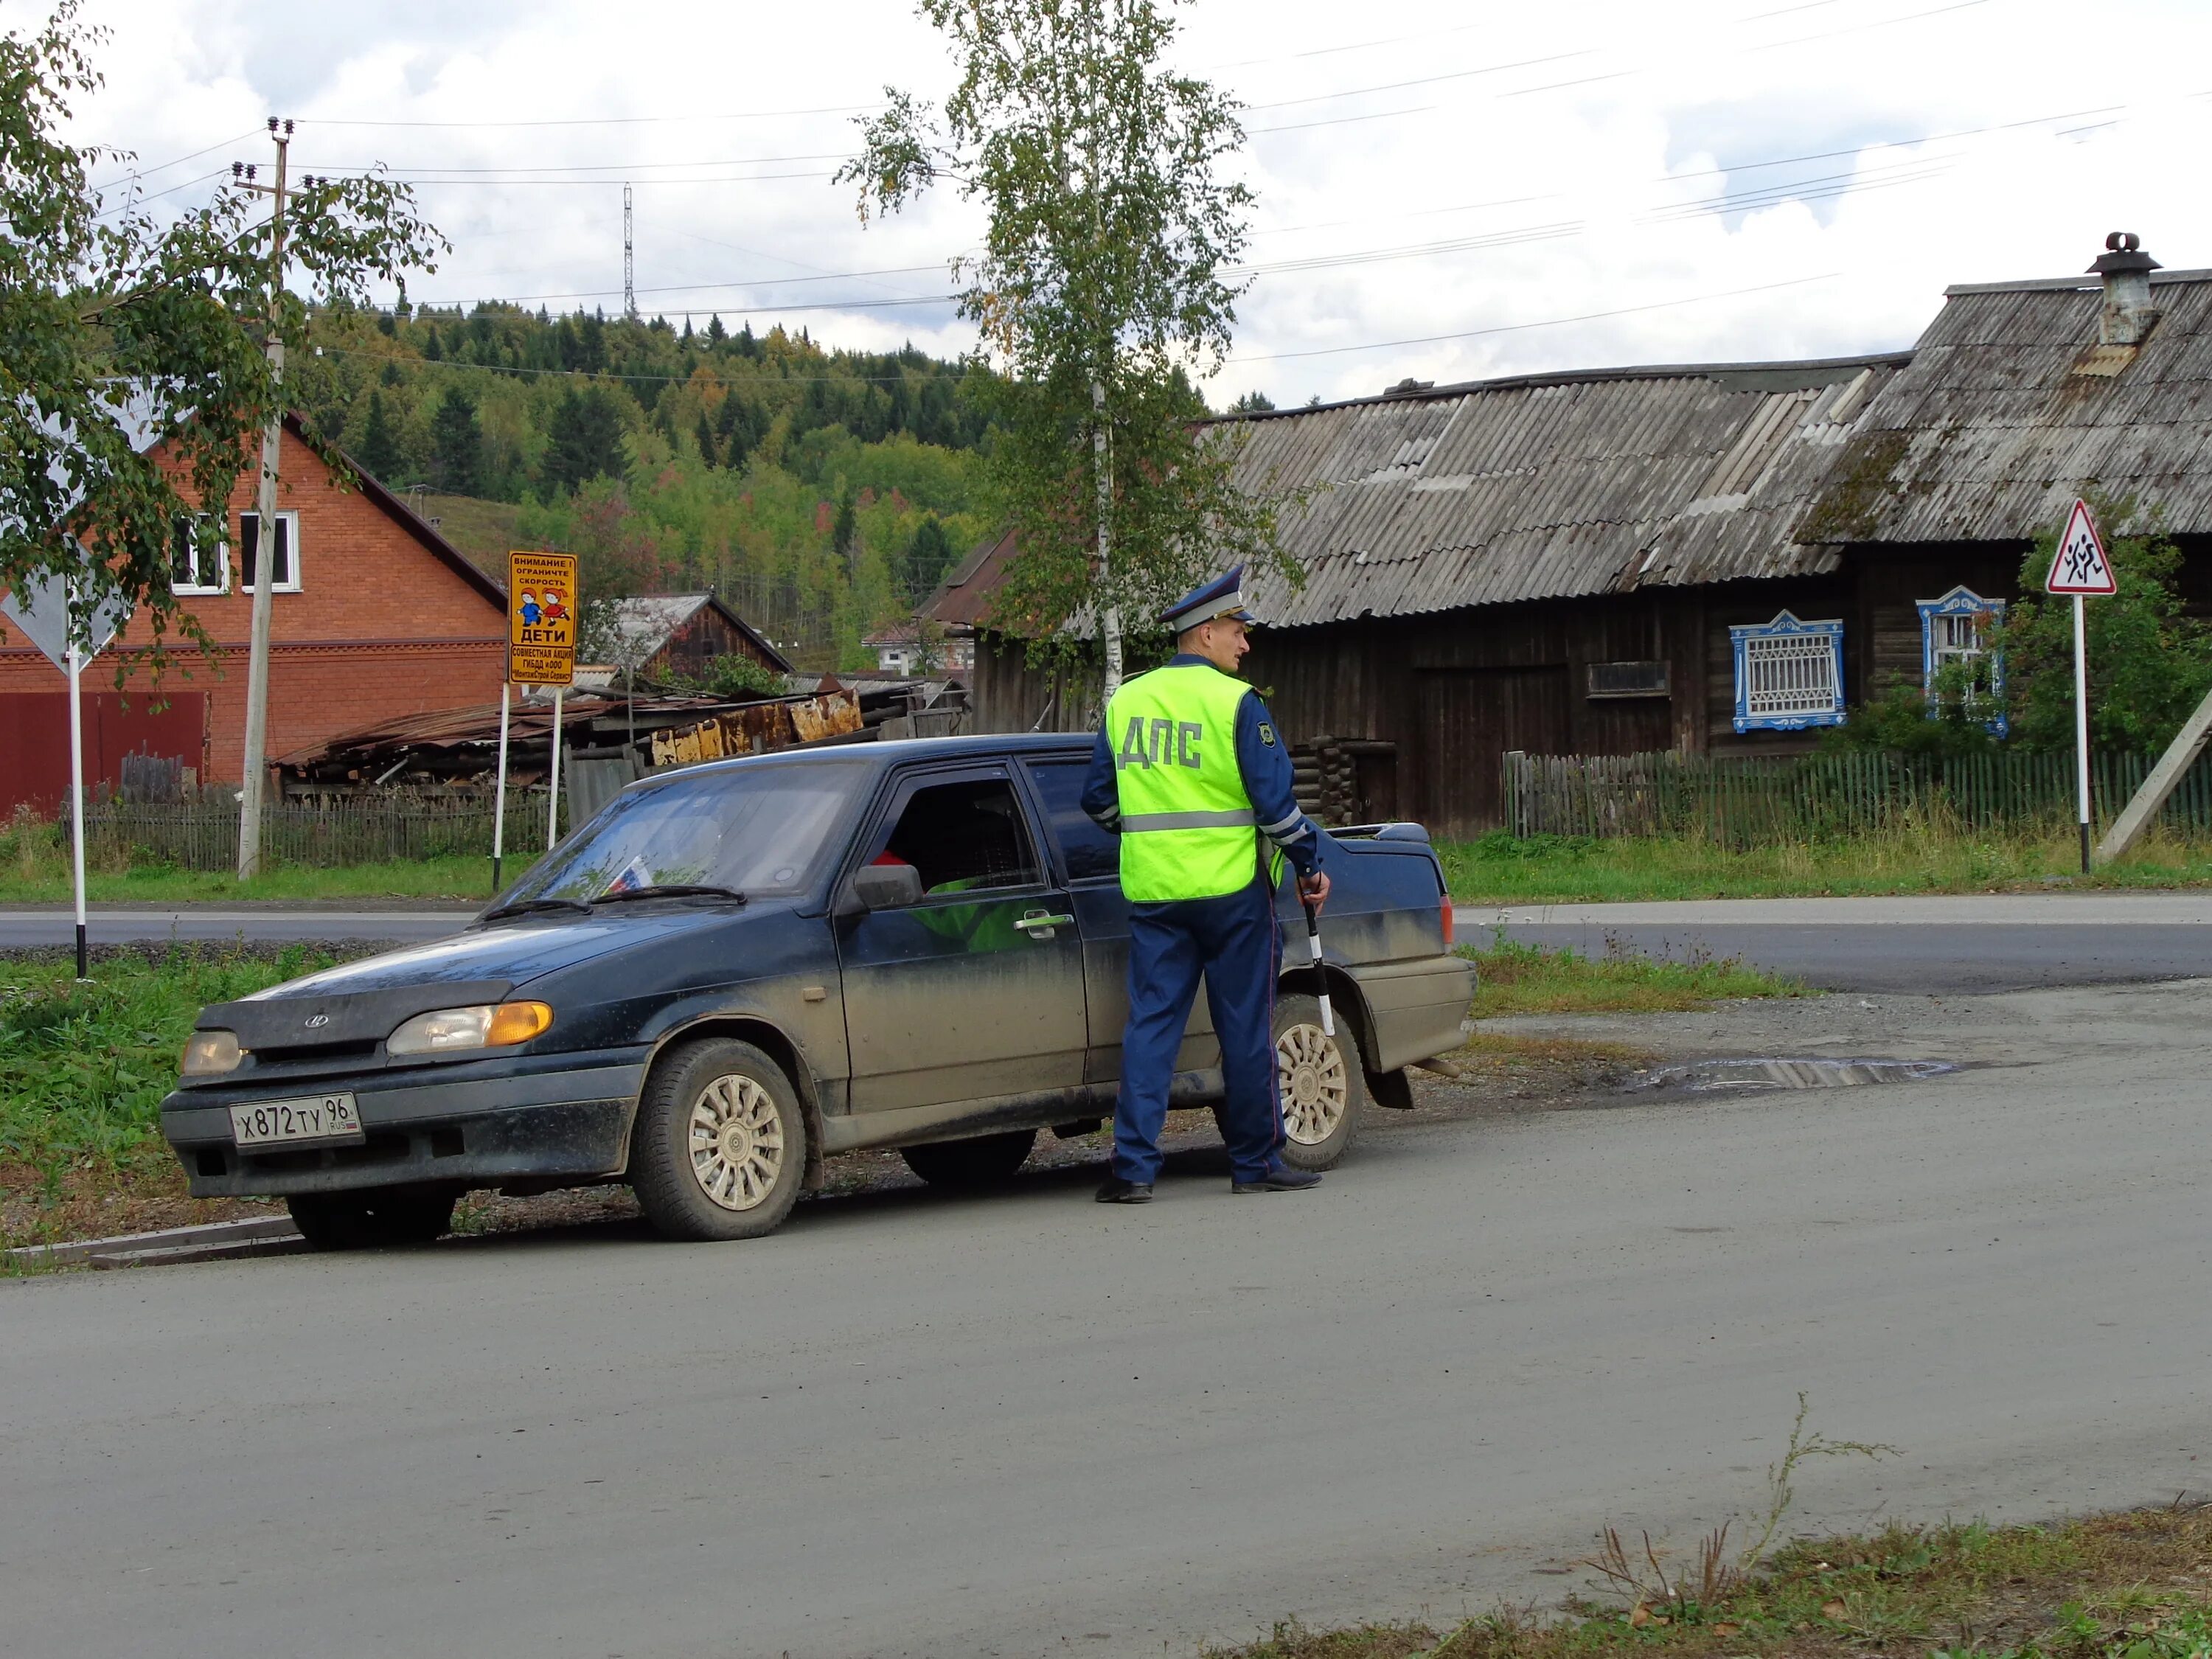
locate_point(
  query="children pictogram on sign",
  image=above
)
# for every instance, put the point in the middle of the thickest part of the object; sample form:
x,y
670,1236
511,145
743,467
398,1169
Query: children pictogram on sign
x,y
542,618
2079,566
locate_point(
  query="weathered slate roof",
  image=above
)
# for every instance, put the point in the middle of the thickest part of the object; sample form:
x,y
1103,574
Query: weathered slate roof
x,y
1552,486
640,626
2010,408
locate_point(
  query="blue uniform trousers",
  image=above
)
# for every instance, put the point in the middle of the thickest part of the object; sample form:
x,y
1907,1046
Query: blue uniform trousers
x,y
1234,941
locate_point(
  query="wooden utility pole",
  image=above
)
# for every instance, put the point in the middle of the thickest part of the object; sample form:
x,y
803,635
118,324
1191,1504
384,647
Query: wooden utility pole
x,y
265,555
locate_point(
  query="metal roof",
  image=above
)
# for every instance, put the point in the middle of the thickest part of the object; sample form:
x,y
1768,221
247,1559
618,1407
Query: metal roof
x,y
640,626
2010,409
1552,486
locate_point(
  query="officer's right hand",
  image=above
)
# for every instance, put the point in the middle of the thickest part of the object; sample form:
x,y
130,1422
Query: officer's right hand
x,y
1313,890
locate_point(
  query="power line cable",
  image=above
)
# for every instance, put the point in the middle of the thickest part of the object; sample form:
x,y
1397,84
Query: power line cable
x,y
1547,322
126,206
1428,80
594,166
141,172
599,120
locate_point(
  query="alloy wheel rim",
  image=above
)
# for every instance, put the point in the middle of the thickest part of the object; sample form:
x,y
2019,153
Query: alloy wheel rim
x,y
736,1143
1316,1090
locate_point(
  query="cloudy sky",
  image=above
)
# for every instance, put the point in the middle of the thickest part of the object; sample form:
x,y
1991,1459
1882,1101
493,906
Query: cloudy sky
x,y
1446,190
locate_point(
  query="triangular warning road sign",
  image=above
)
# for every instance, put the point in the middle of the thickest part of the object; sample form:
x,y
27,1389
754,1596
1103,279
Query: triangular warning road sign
x,y
2080,565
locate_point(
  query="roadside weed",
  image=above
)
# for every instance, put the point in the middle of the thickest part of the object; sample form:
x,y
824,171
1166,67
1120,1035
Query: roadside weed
x,y
1920,858
84,1068
1514,978
2134,1585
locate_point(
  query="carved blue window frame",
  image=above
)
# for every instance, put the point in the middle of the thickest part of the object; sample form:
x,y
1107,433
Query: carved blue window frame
x,y
1806,641
1960,601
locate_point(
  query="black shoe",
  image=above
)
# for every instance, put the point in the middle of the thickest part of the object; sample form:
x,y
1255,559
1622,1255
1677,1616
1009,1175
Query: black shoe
x,y
1118,1191
1280,1179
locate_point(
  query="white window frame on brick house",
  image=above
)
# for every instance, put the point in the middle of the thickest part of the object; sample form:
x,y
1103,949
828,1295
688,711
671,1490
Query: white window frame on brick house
x,y
1789,674
1954,628
221,556
287,577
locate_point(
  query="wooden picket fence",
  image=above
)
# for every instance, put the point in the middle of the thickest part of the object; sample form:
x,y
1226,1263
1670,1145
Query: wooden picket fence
x,y
203,835
1747,800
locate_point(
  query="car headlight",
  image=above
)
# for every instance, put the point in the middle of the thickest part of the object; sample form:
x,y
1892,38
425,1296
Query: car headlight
x,y
210,1053
487,1025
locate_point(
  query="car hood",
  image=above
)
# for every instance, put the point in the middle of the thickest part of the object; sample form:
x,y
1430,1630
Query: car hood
x,y
518,950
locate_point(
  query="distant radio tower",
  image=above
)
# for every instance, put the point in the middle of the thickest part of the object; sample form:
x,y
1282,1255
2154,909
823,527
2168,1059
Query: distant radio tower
x,y
630,261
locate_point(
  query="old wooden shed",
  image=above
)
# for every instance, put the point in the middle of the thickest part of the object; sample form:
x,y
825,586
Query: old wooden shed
x,y
1703,557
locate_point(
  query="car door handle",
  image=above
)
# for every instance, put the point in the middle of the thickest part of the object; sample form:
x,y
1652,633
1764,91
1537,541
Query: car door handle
x,y
1039,924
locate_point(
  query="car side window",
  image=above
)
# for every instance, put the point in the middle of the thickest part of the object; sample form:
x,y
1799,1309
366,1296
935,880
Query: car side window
x,y
963,837
1091,852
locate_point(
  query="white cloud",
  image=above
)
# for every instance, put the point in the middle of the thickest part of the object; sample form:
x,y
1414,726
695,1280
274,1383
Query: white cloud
x,y
1615,176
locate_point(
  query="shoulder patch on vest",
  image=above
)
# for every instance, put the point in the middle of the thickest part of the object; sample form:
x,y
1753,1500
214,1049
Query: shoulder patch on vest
x,y
1267,734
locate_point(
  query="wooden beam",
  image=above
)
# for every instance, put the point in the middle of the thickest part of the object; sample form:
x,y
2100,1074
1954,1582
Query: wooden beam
x,y
2181,755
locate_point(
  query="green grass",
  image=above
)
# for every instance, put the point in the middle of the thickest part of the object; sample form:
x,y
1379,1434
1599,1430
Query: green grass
x,y
1528,979
1498,869
2136,1585
85,1067
34,869
464,880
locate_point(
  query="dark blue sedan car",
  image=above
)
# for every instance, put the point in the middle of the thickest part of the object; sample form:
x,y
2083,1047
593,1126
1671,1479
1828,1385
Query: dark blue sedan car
x,y
735,970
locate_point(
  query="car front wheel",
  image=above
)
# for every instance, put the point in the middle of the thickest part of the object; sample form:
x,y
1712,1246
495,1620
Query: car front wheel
x,y
720,1148
1324,1092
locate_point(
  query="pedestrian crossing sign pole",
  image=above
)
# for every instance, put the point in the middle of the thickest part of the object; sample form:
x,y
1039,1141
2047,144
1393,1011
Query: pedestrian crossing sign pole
x,y
2079,567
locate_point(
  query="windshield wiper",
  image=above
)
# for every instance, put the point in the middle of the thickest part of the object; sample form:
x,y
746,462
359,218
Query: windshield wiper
x,y
671,890
524,907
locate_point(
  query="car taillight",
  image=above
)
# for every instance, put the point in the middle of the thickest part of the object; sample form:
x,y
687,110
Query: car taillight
x,y
1447,921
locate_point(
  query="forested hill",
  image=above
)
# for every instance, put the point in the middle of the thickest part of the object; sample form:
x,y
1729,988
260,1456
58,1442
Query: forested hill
x,y
823,492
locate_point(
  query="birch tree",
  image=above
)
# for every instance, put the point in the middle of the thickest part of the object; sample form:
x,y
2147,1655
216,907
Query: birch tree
x,y
1105,291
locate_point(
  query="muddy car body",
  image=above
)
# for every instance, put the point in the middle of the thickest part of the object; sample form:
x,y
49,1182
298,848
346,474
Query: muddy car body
x,y
737,969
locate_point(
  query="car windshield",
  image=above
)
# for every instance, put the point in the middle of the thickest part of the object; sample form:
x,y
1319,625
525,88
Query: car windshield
x,y
758,830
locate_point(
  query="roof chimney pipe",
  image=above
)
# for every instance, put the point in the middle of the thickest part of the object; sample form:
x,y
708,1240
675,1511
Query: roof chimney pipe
x,y
2126,269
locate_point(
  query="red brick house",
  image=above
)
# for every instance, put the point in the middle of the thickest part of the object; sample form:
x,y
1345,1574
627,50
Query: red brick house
x,y
374,615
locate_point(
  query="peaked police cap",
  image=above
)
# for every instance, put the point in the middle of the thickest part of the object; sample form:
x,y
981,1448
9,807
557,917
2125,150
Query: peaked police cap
x,y
1223,597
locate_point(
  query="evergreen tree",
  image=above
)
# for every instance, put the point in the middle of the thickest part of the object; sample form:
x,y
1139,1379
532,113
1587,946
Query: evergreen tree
x,y
431,348
379,443
844,533
583,440
928,556
457,444
705,435
715,332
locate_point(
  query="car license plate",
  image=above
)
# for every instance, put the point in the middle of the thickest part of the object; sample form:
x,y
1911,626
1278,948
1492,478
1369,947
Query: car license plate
x,y
316,1117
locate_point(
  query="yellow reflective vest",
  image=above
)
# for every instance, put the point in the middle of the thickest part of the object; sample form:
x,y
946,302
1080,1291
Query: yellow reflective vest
x,y
1187,828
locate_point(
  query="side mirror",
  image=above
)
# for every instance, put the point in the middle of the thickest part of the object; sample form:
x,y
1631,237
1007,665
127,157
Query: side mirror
x,y
886,887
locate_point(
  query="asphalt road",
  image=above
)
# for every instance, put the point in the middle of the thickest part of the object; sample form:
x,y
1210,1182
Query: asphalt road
x,y
918,1425
1968,944
1943,945
22,926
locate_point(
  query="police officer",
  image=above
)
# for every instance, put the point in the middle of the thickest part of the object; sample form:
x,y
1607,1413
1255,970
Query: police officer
x,y
1191,773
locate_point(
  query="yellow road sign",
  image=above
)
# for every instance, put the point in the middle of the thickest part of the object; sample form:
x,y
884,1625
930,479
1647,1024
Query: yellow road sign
x,y
541,603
